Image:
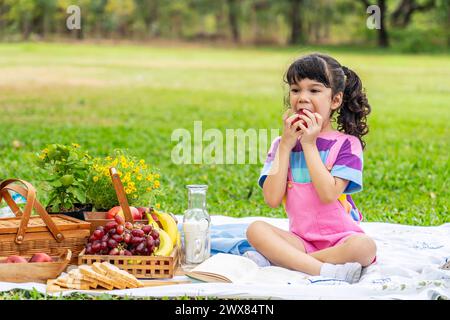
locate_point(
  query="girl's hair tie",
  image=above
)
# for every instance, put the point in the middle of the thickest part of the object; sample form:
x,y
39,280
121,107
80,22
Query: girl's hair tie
x,y
345,69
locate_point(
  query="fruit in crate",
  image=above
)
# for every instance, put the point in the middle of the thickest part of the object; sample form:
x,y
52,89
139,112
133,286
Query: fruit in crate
x,y
168,224
123,238
168,231
117,210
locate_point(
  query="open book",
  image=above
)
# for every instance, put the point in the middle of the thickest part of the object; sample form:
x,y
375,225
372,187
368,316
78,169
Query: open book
x,y
224,267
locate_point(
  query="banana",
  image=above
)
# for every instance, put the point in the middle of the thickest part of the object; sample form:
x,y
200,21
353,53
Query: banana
x,y
152,221
165,241
169,225
165,244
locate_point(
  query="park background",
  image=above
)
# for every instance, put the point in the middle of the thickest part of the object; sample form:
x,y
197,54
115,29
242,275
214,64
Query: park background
x,y
138,69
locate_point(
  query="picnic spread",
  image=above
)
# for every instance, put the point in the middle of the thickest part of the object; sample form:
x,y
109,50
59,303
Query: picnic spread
x,y
142,254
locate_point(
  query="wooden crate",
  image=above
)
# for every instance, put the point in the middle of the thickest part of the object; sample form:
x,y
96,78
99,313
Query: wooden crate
x,y
26,234
34,271
143,267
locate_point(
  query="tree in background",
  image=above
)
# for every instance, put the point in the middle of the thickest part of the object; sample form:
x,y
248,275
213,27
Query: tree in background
x,y
291,22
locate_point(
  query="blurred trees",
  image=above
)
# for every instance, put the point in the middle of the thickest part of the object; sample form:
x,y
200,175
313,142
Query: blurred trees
x,y
239,21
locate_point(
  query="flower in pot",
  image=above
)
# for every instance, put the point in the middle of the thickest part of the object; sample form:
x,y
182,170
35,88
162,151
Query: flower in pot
x,y
140,181
66,168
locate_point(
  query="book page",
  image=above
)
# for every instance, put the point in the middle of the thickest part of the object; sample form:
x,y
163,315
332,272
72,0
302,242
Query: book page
x,y
231,266
275,275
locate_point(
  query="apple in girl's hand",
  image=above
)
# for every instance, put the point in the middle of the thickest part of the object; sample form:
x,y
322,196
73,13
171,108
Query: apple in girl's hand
x,y
300,112
41,257
16,259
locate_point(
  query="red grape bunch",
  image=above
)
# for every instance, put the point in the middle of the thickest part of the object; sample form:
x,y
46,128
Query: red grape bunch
x,y
123,238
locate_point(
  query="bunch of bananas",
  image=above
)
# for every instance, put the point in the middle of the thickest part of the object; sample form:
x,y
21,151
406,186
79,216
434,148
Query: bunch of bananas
x,y
169,236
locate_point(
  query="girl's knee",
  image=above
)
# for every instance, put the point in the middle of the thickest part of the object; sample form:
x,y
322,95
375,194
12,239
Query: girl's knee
x,y
363,249
256,230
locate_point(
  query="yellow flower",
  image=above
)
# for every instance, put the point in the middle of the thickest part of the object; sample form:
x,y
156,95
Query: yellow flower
x,y
149,178
45,151
149,189
156,184
157,206
135,196
114,163
127,191
42,156
142,161
139,177
75,145
108,158
156,176
95,179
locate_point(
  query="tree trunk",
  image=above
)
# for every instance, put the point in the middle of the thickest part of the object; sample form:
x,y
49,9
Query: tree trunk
x,y
233,21
26,27
383,36
296,25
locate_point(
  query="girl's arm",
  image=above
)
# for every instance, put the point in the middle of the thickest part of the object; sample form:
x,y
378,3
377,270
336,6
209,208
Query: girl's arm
x,y
274,186
328,188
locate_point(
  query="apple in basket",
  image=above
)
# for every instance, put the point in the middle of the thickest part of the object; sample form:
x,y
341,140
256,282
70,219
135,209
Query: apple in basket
x,y
16,259
118,210
41,257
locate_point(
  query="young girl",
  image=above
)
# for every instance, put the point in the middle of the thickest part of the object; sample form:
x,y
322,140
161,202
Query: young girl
x,y
312,169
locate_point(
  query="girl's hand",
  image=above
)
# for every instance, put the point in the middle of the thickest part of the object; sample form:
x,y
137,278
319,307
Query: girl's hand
x,y
290,133
314,123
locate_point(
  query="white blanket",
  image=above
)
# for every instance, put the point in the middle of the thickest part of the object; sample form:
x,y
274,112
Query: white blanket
x,y
407,267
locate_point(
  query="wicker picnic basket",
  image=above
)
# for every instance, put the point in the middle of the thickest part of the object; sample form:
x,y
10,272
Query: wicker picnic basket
x,y
26,234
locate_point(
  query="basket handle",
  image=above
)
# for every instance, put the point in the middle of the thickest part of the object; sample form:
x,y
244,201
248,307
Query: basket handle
x,y
30,194
121,196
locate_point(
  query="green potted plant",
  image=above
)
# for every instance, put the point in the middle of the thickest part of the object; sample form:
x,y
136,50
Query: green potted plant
x,y
140,181
66,168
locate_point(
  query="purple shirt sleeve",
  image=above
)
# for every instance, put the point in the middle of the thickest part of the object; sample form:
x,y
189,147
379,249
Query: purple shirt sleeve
x,y
349,164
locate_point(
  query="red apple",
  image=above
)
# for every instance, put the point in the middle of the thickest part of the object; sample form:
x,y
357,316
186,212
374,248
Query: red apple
x,y
118,210
142,211
16,259
112,212
41,257
300,112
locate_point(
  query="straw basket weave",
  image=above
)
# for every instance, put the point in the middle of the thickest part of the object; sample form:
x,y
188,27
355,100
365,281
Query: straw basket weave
x,y
26,234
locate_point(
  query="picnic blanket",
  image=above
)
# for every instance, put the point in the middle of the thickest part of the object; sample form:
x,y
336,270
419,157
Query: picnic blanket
x,y
408,267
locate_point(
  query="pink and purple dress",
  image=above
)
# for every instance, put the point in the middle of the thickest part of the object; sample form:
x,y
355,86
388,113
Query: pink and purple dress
x,y
322,225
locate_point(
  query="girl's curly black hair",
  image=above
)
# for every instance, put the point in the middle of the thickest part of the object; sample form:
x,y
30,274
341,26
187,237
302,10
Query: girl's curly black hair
x,y
352,114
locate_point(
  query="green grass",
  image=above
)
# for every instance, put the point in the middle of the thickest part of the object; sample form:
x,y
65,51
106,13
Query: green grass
x,y
133,97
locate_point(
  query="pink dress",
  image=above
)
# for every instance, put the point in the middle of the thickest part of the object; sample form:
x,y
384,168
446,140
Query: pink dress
x,y
317,224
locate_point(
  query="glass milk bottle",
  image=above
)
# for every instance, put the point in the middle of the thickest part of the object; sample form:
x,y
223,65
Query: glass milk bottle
x,y
196,223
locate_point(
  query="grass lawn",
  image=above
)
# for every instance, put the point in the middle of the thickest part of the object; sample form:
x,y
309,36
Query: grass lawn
x,y
133,97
